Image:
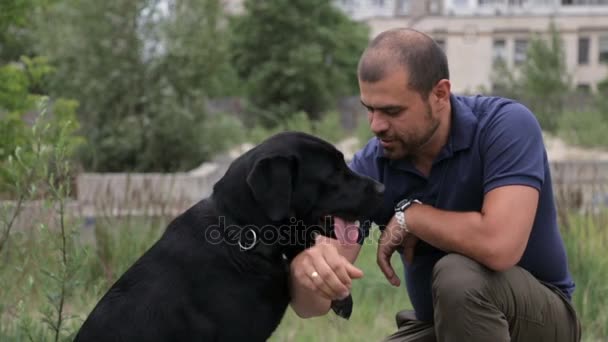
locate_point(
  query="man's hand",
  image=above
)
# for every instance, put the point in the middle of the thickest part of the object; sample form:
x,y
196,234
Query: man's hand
x,y
392,238
323,270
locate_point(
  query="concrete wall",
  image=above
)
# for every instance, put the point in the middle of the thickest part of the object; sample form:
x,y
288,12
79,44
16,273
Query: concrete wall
x,y
580,183
147,193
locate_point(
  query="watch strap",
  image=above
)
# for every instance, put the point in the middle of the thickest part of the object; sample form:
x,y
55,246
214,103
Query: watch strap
x,y
400,212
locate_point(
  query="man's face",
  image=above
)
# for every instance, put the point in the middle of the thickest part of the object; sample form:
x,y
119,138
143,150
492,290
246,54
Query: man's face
x,y
400,117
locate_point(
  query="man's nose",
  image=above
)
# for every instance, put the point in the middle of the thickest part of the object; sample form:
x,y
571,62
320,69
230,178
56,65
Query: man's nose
x,y
377,123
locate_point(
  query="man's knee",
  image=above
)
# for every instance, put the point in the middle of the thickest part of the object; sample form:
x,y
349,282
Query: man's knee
x,y
462,304
454,276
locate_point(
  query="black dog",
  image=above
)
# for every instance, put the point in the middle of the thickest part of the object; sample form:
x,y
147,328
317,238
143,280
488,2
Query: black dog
x,y
219,272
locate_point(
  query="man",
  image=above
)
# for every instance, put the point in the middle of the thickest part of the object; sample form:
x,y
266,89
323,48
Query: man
x,y
468,202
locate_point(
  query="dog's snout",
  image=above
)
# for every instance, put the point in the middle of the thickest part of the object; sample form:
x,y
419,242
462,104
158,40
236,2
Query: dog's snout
x,y
379,187
373,185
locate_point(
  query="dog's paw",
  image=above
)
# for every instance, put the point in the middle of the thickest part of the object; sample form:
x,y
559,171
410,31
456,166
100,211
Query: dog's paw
x,y
343,307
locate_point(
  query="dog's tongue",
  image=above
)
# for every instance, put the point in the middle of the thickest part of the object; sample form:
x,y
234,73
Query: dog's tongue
x,y
346,232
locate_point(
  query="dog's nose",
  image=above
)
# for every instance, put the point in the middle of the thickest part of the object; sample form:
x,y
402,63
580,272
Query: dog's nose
x,y
379,187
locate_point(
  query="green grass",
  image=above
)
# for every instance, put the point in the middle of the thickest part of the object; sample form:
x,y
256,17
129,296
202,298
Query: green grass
x,y
31,260
586,239
120,242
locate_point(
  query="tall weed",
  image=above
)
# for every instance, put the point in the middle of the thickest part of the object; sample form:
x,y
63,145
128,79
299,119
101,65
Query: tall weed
x,y
586,238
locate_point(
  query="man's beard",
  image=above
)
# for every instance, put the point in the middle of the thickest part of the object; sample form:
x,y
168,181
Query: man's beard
x,y
409,148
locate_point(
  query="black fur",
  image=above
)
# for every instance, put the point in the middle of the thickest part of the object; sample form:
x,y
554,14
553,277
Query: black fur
x,y
197,284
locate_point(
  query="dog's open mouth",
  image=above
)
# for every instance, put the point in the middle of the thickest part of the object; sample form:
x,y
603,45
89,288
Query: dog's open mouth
x,y
346,231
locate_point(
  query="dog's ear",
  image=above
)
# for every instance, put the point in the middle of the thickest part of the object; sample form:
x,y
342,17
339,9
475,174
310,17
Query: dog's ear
x,y
271,181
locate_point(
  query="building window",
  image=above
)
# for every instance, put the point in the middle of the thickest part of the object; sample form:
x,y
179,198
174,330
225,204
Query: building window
x,y
379,3
499,51
434,7
584,88
441,43
500,2
584,2
603,48
583,50
521,49
402,7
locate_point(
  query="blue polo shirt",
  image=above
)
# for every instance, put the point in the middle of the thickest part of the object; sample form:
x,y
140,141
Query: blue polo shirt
x,y
493,142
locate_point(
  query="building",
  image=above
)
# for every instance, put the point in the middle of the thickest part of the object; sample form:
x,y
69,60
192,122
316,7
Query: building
x,y
367,9
476,34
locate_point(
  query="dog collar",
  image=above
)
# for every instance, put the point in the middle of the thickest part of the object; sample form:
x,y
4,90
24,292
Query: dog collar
x,y
246,247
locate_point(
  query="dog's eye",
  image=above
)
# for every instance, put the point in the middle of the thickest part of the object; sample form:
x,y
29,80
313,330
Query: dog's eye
x,y
329,180
335,174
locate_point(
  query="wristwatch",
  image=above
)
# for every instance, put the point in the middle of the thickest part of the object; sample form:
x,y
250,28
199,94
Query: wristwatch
x,y
400,211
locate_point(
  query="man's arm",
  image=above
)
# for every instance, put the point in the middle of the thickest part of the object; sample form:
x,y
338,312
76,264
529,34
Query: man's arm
x,y
513,167
513,157
333,261
495,237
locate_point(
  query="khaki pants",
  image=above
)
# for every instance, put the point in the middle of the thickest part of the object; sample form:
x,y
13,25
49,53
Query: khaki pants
x,y
473,303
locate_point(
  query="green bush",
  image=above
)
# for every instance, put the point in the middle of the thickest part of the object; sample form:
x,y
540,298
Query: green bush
x,y
328,128
584,128
541,82
303,65
143,88
601,100
41,260
363,132
586,238
223,132
17,81
18,107
97,256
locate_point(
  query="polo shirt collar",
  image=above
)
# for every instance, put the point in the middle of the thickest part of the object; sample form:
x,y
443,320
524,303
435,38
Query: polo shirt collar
x,y
462,134
464,124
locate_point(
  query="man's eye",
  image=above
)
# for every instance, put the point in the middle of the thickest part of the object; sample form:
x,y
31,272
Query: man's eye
x,y
392,112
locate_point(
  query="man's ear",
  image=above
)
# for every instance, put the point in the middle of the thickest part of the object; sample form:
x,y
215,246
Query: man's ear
x,y
271,183
442,90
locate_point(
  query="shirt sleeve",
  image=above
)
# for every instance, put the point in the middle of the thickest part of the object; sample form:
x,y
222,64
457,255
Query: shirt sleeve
x,y
512,149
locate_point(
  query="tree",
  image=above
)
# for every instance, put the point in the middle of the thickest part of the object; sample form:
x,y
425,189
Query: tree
x,y
542,81
546,77
601,100
14,33
141,70
23,76
295,55
194,37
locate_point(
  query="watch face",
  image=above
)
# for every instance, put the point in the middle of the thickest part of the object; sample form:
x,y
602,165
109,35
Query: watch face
x,y
403,203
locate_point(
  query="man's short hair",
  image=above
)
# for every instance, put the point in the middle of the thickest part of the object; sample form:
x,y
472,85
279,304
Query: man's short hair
x,y
412,50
